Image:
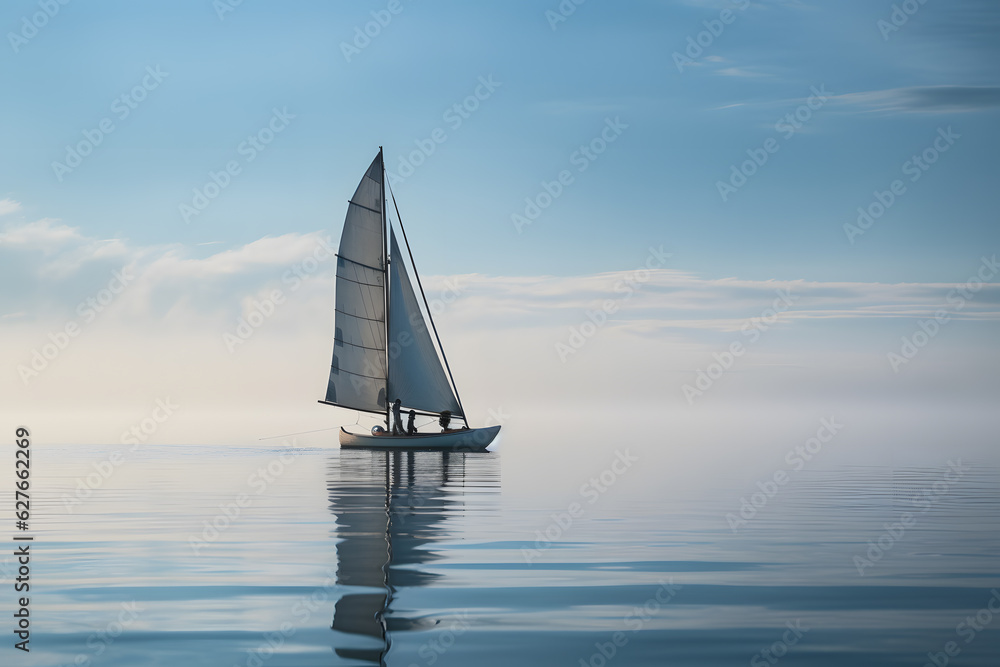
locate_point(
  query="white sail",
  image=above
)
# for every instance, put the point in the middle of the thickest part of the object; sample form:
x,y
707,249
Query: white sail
x,y
358,373
416,376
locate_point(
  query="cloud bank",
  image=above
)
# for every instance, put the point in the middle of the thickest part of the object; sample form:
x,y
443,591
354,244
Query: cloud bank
x,y
160,321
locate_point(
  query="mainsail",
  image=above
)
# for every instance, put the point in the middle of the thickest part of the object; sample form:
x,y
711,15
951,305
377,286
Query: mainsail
x,y
358,373
416,376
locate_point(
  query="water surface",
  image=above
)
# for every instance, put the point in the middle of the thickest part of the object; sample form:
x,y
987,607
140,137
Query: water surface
x,y
290,556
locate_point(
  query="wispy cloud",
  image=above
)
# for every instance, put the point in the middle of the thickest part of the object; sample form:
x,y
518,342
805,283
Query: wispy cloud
x,y
8,206
58,251
742,72
924,99
673,299
45,234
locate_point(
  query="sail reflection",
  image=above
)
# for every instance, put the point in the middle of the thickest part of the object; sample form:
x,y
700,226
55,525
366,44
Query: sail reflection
x,y
390,507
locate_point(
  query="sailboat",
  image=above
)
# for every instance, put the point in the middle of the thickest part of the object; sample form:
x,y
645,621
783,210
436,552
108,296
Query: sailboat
x,y
382,347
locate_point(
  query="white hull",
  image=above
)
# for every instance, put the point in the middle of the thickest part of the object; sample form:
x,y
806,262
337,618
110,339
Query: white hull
x,y
470,440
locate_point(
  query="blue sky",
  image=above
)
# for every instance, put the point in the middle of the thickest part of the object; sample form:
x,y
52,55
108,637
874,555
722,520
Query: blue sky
x,y
198,85
656,184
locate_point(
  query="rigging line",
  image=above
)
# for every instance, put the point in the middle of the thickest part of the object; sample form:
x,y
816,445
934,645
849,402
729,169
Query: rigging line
x,y
360,375
357,317
358,282
430,317
350,407
367,208
363,347
272,437
348,259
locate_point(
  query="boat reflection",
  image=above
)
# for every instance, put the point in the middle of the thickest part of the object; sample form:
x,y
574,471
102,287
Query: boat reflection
x,y
390,507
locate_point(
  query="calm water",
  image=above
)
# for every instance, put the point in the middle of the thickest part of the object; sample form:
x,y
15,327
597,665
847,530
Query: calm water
x,y
328,557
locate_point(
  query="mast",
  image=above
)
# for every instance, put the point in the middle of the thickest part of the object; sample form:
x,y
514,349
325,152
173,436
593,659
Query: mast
x,y
430,316
385,278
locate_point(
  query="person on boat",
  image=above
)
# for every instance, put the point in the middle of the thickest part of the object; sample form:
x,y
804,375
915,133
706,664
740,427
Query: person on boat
x,y
410,428
444,420
397,420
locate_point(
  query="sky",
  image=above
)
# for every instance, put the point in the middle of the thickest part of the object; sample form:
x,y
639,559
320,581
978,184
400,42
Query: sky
x,y
604,197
